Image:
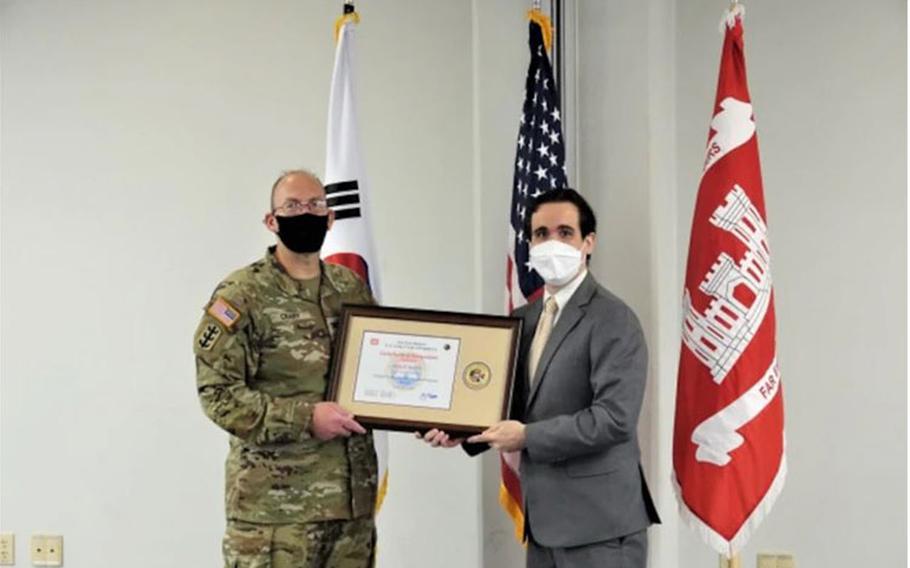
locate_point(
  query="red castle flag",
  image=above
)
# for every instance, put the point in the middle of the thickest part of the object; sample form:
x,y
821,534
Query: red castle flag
x,y
728,444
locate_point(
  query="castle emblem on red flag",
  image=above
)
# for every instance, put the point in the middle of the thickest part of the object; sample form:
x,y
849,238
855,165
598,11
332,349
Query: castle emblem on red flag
x,y
728,447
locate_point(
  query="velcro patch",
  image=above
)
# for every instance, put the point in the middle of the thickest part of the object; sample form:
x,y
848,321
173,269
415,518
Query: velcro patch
x,y
224,312
208,336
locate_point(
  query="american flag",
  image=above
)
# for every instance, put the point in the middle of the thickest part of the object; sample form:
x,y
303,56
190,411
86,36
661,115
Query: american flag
x,y
539,164
539,168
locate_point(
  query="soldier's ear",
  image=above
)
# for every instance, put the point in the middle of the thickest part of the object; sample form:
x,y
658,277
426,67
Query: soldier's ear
x,y
331,221
270,222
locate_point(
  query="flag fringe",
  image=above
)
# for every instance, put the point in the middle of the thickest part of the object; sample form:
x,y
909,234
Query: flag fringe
x,y
729,548
382,490
728,20
353,18
546,27
513,509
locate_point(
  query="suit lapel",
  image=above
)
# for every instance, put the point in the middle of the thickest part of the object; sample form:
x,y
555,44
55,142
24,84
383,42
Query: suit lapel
x,y
571,315
531,318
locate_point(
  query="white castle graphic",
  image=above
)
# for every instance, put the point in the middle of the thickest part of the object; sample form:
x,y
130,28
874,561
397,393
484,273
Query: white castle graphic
x,y
741,291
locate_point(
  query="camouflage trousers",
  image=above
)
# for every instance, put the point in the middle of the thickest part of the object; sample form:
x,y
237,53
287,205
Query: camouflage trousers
x,y
327,544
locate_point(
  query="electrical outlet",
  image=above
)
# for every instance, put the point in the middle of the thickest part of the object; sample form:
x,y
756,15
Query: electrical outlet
x,y
7,549
786,561
37,547
768,560
54,550
46,550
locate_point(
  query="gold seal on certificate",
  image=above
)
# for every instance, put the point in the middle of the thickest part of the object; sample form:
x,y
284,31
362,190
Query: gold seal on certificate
x,y
476,375
404,369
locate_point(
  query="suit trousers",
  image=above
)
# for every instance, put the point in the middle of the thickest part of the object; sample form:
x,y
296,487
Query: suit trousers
x,y
630,551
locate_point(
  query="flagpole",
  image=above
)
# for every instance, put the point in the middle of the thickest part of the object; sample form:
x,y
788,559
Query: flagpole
x,y
734,561
556,12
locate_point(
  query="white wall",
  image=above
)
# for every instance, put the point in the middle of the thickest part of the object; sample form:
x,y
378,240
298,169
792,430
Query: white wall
x,y
416,66
625,108
139,143
501,64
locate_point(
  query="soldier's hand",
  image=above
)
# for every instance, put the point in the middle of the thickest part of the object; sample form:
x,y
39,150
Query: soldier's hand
x,y
438,438
331,421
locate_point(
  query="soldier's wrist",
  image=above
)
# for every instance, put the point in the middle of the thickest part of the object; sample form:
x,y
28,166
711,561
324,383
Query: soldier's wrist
x,y
305,416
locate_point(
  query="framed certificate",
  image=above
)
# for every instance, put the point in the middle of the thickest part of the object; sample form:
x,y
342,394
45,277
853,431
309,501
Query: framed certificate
x,y
404,369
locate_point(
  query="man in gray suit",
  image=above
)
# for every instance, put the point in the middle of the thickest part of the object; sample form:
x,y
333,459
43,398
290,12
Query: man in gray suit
x,y
575,406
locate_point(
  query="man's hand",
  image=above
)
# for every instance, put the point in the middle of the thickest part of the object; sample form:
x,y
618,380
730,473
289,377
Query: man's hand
x,y
438,438
508,436
331,421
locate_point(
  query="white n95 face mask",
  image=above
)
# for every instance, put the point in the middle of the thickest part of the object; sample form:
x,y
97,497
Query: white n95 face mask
x,y
555,261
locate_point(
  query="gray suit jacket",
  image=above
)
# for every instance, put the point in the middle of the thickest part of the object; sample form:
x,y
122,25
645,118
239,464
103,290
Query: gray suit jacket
x,y
580,474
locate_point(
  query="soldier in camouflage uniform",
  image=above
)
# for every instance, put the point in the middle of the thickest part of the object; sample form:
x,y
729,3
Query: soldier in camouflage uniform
x,y
301,472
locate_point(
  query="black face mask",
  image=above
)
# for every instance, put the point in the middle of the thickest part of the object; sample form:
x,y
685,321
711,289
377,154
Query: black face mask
x,y
303,233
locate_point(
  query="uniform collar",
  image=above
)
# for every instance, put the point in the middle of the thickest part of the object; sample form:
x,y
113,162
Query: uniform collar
x,y
282,278
291,285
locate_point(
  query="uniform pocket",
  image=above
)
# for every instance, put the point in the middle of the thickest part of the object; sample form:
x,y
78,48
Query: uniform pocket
x,y
247,545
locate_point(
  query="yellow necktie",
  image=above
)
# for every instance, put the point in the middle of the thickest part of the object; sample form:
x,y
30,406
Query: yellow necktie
x,y
542,334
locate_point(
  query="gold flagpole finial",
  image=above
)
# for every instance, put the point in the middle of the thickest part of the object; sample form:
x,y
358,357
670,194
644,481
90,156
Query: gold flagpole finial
x,y
546,27
348,15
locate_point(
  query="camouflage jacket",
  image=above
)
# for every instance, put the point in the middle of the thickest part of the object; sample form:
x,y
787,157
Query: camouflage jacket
x,y
263,352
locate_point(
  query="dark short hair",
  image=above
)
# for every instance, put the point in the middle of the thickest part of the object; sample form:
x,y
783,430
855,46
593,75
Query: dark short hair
x,y
587,222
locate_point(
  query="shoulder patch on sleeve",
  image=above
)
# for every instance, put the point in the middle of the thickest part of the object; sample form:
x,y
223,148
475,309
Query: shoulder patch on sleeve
x,y
208,337
226,314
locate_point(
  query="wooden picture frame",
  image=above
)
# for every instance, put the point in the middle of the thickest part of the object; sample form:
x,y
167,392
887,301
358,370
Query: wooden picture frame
x,y
414,370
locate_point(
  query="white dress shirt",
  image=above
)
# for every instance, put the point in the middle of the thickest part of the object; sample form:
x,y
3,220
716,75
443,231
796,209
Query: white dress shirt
x,y
564,294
